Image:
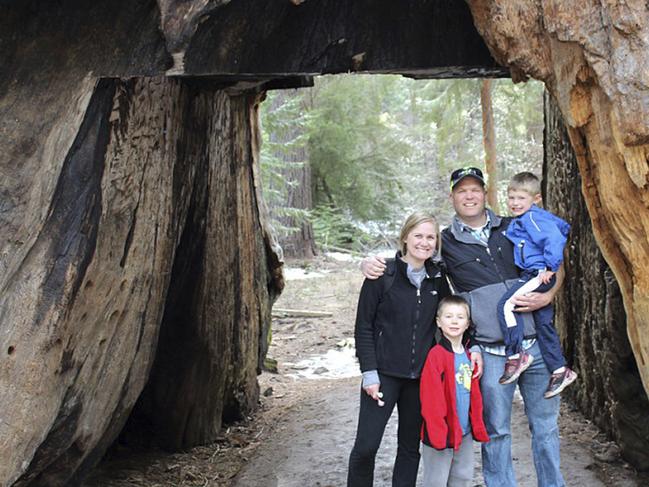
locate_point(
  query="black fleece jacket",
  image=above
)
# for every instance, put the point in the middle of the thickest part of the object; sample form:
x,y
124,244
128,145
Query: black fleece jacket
x,y
395,330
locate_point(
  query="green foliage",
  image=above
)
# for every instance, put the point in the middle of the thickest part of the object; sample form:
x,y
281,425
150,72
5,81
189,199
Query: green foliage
x,y
380,147
353,151
333,228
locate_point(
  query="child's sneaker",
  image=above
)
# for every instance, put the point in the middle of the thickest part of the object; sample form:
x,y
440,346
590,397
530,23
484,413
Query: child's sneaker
x,y
559,381
514,367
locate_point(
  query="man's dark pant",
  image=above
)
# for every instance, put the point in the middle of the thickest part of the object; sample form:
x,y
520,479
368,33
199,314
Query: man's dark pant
x,y
404,393
546,334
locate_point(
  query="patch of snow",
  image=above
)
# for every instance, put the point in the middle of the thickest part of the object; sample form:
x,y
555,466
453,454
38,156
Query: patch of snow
x,y
335,364
387,253
295,273
340,256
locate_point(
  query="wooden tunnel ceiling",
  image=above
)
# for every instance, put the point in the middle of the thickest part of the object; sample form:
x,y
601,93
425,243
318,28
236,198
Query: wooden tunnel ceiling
x,y
239,40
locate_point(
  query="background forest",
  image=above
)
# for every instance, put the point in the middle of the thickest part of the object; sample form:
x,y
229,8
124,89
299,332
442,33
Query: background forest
x,y
345,161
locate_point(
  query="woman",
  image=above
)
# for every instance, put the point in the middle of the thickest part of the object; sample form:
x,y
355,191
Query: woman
x,y
395,329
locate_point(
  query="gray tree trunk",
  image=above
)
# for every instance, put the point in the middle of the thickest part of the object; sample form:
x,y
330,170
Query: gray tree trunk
x,y
296,179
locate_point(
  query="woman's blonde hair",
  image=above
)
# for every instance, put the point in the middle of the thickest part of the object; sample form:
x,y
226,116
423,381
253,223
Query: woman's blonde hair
x,y
417,218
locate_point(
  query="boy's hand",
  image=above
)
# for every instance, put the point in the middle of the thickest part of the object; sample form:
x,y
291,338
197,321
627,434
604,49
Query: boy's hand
x,y
545,276
476,364
373,267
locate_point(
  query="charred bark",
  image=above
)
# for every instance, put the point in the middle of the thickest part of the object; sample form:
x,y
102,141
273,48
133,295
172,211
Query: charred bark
x,y
117,218
424,38
155,202
219,300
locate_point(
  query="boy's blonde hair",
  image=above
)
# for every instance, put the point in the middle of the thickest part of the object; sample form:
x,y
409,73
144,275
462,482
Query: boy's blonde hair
x,y
457,300
525,181
417,218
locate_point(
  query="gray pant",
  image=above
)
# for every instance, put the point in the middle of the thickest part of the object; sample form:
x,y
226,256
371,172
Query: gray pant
x,y
448,468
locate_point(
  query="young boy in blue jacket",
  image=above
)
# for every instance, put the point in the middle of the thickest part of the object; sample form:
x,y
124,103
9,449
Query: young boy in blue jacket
x,y
539,238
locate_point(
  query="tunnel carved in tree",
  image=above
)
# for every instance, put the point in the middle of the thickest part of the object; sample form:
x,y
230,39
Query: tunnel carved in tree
x,y
135,251
115,210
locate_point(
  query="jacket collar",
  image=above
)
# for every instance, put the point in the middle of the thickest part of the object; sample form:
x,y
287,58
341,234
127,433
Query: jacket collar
x,y
457,228
432,265
446,344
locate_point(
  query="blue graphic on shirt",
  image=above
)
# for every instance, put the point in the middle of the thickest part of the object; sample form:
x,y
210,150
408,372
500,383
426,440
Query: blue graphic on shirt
x,y
463,390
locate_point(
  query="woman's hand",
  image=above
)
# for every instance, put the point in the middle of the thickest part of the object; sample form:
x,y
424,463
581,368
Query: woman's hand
x,y
374,393
373,267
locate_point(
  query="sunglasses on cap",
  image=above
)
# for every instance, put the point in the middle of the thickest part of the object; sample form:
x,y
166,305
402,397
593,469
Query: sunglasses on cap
x,y
459,174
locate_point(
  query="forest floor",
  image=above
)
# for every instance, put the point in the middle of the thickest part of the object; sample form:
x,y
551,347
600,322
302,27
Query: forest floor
x,y
305,426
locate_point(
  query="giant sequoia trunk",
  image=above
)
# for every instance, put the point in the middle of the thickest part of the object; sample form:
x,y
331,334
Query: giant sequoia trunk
x,y
154,209
134,252
589,311
592,57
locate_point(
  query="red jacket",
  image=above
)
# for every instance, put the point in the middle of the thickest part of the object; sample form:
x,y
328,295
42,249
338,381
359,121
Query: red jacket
x,y
441,427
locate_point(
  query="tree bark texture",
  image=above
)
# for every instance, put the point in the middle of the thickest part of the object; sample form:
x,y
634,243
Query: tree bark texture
x,y
134,250
420,37
592,57
589,310
139,221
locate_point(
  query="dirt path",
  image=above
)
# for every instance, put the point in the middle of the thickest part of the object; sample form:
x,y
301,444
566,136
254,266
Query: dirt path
x,y
316,437
310,445
303,432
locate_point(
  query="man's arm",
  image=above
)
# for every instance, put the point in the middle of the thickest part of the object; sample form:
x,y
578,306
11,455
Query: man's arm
x,y
533,301
373,266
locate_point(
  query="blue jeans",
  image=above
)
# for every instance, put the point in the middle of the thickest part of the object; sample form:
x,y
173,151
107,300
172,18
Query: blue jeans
x,y
542,416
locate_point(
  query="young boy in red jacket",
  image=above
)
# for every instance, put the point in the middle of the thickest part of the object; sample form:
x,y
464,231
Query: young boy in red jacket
x,y
451,403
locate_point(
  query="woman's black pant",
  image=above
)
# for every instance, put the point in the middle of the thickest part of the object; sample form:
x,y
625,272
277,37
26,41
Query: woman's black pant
x,y
404,393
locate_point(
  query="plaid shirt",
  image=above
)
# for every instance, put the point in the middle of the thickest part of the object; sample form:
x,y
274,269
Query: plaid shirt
x,y
481,234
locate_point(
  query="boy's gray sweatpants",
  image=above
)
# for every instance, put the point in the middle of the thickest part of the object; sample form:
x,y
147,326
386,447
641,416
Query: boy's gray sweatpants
x,y
448,468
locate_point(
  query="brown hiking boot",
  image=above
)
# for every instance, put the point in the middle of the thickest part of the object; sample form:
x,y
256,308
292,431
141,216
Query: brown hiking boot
x,y
559,381
514,367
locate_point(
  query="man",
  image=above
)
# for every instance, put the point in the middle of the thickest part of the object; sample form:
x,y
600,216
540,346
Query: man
x,y
480,261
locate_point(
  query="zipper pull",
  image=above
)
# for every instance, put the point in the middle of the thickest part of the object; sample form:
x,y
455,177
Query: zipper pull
x,y
418,292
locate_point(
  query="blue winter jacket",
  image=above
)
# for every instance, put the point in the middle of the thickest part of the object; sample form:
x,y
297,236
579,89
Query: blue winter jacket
x,y
538,237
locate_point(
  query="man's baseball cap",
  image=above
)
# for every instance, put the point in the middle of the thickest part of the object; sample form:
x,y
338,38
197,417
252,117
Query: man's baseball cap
x,y
459,174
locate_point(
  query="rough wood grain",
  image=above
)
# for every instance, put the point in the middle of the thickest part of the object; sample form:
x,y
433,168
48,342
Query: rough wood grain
x,y
151,186
589,310
422,37
592,57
